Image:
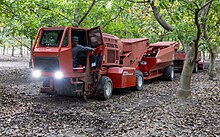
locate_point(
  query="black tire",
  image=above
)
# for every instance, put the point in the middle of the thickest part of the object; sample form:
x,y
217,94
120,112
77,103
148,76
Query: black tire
x,y
195,68
169,73
104,90
139,80
202,66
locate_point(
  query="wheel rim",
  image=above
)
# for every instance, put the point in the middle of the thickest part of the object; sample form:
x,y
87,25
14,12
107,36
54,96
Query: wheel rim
x,y
172,74
196,67
140,81
108,89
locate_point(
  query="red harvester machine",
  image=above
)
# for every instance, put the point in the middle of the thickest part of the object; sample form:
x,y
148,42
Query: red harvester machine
x,y
115,63
158,61
180,57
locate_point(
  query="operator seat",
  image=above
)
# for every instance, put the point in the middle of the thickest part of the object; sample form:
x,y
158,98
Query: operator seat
x,y
81,57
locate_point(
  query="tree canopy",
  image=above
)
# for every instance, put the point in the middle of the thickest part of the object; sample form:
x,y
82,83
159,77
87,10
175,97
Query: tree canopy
x,y
193,23
124,18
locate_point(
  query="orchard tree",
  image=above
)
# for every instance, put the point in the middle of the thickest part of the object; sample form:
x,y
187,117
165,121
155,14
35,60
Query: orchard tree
x,y
182,20
185,18
211,34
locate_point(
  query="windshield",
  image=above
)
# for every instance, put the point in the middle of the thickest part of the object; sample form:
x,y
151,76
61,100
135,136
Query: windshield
x,y
52,38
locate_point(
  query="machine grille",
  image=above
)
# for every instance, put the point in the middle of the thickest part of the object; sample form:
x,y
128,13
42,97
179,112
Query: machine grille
x,y
47,64
111,56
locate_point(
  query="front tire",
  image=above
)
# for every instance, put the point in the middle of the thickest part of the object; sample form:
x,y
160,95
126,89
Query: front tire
x,y
169,73
104,90
139,80
201,66
195,69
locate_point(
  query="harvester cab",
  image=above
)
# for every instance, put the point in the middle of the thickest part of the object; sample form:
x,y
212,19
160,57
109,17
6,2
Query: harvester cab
x,y
52,57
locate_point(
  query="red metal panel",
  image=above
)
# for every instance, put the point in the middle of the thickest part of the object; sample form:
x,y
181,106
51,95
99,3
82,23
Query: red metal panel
x,y
122,77
65,61
111,50
133,51
157,57
163,44
180,56
153,74
150,62
162,57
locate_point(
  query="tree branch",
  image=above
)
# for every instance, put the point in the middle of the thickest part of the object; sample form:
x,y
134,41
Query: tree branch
x,y
216,25
198,34
121,9
138,1
190,8
198,26
22,43
159,18
201,44
10,10
205,4
46,8
204,14
84,16
169,14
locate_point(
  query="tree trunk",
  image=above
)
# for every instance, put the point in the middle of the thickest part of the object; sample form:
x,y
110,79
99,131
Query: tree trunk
x,y
185,80
212,65
203,55
30,60
21,49
27,51
185,47
13,51
75,23
4,50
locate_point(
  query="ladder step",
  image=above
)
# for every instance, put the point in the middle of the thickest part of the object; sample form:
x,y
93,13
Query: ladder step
x,y
77,91
47,90
76,82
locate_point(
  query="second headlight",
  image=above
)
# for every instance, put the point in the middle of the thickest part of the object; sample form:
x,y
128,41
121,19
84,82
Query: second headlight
x,y
58,75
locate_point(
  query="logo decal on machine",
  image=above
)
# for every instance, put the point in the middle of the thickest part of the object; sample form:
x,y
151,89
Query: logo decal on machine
x,y
126,73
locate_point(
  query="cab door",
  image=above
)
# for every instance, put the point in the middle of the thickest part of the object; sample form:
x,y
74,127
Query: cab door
x,y
95,40
95,37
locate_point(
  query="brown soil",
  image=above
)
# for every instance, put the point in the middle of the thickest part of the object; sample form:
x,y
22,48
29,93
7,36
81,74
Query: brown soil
x,y
155,111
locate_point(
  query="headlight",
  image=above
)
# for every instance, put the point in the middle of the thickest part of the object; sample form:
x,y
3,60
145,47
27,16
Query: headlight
x,y
58,75
143,63
36,73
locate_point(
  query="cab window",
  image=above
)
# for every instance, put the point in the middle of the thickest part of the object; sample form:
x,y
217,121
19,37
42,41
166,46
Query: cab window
x,y
52,38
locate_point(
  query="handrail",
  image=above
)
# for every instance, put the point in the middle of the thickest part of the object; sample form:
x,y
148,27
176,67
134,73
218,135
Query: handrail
x,y
36,38
62,39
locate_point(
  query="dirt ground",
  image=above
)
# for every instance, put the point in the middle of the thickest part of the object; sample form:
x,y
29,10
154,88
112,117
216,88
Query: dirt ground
x,y
155,111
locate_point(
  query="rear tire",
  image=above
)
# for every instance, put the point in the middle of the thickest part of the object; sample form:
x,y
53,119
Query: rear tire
x,y
104,90
201,66
169,73
195,68
139,80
